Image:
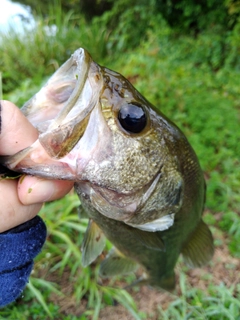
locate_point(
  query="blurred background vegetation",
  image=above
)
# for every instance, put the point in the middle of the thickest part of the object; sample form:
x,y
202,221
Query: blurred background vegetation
x,y
184,57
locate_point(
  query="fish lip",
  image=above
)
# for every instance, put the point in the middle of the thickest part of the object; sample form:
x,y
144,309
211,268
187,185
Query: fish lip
x,y
64,128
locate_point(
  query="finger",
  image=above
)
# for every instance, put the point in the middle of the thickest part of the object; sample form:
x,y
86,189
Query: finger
x,y
12,211
35,190
16,132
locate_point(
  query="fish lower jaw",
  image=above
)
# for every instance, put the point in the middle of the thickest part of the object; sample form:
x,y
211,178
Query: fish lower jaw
x,y
121,207
111,204
36,161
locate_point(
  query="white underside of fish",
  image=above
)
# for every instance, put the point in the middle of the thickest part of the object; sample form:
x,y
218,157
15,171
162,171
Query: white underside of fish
x,y
159,224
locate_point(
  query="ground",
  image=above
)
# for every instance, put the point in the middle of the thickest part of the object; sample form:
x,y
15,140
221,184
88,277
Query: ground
x,y
222,269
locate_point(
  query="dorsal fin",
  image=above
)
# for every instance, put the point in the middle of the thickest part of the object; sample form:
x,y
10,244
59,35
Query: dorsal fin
x,y
93,243
199,248
116,264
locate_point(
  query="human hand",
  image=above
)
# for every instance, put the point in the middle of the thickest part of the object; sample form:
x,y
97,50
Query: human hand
x,y
22,199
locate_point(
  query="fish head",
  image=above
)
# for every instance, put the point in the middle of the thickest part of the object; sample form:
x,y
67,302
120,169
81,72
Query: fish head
x,y
96,129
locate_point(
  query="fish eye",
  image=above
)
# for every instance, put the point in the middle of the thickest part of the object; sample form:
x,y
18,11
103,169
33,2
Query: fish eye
x,y
132,117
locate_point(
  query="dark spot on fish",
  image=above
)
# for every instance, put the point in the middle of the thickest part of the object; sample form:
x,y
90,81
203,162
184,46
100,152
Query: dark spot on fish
x,y
121,93
97,76
116,87
116,258
98,238
106,79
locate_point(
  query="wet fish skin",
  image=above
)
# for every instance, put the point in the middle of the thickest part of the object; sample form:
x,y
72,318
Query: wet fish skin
x,y
144,190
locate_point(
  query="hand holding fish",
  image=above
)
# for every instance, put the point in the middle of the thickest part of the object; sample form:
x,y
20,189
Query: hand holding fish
x,y
22,233
22,199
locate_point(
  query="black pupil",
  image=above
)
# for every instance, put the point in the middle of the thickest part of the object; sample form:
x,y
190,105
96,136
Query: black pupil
x,y
132,118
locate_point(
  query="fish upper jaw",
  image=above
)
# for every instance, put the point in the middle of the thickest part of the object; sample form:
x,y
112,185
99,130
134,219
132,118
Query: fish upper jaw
x,y
61,112
56,98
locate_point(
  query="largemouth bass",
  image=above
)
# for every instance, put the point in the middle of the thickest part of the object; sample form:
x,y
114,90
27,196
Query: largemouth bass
x,y
138,178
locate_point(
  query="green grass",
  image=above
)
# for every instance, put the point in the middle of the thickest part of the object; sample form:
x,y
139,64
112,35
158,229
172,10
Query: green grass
x,y
219,302
44,48
185,79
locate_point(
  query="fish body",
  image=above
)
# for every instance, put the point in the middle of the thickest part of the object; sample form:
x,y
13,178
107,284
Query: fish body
x,y
137,177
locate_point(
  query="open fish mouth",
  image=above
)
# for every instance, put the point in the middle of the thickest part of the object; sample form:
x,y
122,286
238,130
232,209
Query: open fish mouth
x,y
82,138
60,111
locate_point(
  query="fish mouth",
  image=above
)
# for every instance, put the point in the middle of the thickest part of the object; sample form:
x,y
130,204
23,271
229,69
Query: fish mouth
x,y
76,134
60,111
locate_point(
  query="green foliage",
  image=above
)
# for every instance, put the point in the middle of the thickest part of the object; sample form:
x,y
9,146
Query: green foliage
x,y
90,7
35,53
219,303
128,27
194,80
192,15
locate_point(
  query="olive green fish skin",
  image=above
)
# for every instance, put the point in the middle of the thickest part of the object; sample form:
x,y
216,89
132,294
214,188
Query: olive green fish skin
x,y
142,188
181,181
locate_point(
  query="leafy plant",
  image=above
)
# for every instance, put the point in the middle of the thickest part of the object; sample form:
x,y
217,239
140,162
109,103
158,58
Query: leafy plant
x,y
45,45
194,80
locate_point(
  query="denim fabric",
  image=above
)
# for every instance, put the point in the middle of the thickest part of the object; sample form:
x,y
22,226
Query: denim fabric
x,y
18,247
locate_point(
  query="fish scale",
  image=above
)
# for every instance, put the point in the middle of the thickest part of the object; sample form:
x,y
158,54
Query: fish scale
x,y
138,178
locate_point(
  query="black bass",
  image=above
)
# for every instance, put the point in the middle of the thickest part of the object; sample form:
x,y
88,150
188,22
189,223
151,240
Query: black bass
x,y
138,178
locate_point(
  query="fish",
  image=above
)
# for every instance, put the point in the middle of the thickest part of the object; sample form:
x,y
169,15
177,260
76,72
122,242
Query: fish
x,y
138,179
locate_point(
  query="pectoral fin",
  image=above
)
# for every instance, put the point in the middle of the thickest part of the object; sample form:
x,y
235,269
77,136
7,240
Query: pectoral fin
x,y
199,248
116,264
151,240
93,243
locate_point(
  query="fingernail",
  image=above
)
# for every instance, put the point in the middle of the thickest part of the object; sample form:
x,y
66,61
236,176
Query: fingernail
x,y
40,192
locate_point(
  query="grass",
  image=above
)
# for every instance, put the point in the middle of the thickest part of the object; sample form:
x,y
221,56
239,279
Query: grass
x,y
219,303
46,46
199,94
